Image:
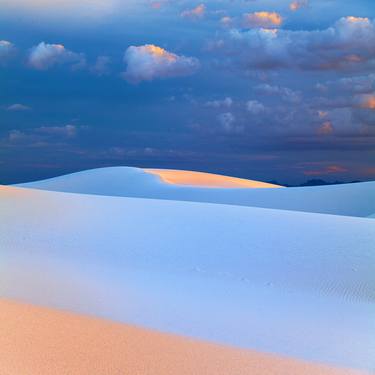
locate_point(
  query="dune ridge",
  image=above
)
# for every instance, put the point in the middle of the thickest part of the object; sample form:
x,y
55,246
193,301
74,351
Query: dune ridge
x,y
203,179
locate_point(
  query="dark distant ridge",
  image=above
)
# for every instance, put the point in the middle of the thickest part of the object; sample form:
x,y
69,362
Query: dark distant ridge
x,y
314,182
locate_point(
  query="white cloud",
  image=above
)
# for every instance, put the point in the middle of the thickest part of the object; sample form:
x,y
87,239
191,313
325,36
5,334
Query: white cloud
x,y
44,135
284,93
68,131
44,56
255,107
6,50
226,21
17,136
18,107
227,122
197,12
226,102
149,62
101,66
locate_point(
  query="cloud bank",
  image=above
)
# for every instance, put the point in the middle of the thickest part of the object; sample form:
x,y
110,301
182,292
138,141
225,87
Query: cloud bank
x,y
348,44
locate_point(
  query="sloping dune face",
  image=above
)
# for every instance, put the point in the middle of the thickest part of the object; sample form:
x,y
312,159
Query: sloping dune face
x,y
294,284
192,178
37,340
347,199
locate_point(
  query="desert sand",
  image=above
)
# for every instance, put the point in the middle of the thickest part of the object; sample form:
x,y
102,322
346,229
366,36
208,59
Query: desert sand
x,y
193,178
209,271
121,244
38,341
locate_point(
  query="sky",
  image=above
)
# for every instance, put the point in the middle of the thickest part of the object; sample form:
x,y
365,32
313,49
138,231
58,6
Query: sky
x,y
275,90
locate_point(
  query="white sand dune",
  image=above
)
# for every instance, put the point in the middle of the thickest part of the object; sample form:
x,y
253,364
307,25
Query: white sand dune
x,y
347,199
291,283
37,341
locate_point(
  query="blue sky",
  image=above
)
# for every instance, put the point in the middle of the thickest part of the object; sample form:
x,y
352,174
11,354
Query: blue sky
x,y
271,90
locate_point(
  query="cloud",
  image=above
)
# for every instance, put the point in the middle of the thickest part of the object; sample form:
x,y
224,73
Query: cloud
x,y
226,102
149,62
330,169
15,136
348,44
44,135
367,101
284,93
68,131
157,4
226,21
197,12
101,66
298,4
44,56
255,107
227,123
18,107
6,50
363,84
326,128
262,19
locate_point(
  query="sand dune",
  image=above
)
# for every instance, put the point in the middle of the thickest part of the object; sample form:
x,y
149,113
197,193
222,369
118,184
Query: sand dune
x,y
348,199
201,179
36,340
295,284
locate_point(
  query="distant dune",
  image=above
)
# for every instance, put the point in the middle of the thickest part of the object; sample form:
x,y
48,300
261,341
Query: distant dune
x,y
37,341
347,199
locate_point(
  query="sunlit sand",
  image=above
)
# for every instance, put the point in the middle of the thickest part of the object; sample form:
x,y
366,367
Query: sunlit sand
x,y
192,178
36,340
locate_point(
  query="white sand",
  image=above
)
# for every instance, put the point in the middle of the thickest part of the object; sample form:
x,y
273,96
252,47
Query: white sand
x,y
347,199
291,283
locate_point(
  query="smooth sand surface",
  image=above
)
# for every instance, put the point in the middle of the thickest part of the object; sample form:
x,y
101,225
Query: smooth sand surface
x,y
192,178
37,341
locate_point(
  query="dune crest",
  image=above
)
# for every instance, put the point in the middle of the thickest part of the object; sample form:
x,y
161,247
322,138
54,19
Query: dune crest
x,y
203,179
